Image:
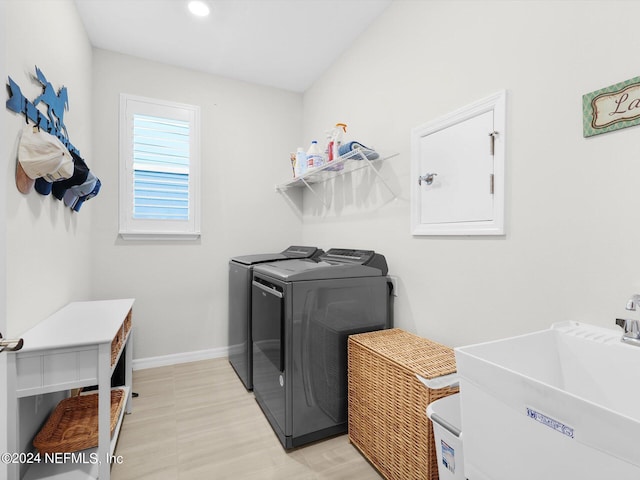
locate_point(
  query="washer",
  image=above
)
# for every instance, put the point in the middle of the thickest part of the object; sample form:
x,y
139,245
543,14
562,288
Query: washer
x,y
240,273
303,312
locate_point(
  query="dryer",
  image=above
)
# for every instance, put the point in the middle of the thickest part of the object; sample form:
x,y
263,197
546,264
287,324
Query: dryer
x,y
239,328
303,312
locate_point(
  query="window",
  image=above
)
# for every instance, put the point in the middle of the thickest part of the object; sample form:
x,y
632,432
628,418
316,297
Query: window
x,y
159,169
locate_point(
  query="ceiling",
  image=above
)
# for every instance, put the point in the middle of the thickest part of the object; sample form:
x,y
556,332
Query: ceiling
x,y
286,44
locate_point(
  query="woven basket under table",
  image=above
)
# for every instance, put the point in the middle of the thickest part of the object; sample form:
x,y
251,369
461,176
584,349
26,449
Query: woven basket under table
x,y
387,403
118,340
73,425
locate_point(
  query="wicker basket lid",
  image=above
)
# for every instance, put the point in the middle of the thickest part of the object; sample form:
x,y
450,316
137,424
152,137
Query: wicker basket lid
x,y
424,357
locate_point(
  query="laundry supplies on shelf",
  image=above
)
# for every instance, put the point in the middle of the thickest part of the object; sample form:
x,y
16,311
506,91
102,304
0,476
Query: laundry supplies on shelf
x,y
315,159
347,148
301,161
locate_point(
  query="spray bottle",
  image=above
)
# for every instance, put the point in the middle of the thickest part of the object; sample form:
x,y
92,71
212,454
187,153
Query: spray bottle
x,y
337,135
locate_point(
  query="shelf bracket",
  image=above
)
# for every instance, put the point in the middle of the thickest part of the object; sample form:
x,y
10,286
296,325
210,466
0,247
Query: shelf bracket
x,y
314,192
375,170
283,191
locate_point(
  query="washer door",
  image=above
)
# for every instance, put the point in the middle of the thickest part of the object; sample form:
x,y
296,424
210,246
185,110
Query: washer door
x,y
268,348
240,322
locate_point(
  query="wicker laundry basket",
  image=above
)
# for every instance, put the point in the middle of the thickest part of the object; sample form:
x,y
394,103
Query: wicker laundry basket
x,y
73,425
387,403
119,339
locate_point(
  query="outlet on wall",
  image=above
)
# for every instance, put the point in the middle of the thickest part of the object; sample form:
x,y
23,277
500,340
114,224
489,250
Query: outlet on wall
x,y
394,282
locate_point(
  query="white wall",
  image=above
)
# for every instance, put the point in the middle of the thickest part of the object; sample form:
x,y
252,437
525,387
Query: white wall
x,y
55,256
570,251
47,247
5,431
181,288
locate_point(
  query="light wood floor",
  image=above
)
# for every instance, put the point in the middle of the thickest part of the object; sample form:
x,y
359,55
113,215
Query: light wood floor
x,y
197,421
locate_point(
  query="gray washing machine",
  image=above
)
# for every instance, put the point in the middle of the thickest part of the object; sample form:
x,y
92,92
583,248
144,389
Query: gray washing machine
x,y
240,277
303,312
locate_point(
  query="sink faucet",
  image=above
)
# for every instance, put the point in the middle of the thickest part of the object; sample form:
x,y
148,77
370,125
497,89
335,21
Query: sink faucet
x,y
633,302
631,331
631,328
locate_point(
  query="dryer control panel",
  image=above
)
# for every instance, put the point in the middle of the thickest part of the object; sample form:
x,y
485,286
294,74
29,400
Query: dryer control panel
x,y
359,257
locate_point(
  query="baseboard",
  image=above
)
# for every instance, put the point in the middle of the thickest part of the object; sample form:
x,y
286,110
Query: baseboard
x,y
176,358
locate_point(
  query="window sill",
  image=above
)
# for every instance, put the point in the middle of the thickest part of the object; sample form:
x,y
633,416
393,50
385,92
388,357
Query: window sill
x,y
159,236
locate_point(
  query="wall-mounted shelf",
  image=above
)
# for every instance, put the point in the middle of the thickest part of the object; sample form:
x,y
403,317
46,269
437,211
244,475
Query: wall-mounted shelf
x,y
350,162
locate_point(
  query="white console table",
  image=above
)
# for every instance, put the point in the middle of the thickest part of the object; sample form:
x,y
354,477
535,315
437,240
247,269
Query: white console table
x,y
72,349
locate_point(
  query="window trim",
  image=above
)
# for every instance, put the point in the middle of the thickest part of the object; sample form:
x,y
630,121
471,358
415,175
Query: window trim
x,y
146,229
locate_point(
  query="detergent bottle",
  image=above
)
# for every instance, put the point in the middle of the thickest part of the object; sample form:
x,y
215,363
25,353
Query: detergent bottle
x,y
301,161
327,149
314,156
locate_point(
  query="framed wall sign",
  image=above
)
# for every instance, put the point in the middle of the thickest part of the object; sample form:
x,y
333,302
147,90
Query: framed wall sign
x,y
611,108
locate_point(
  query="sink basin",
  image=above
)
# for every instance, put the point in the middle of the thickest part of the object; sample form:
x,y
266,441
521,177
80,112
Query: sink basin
x,y
561,403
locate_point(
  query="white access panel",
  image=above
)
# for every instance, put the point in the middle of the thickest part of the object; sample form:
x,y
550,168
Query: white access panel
x,y
459,156
458,172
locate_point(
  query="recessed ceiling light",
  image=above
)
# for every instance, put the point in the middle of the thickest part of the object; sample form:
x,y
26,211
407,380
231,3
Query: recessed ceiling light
x,y
199,8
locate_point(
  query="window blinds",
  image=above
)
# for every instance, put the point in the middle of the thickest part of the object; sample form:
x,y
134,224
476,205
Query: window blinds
x,y
160,168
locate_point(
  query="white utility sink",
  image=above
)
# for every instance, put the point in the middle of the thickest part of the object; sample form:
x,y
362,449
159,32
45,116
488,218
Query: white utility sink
x,y
558,404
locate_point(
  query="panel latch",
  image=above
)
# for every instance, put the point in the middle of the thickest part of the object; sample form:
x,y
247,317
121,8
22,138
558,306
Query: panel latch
x,y
426,178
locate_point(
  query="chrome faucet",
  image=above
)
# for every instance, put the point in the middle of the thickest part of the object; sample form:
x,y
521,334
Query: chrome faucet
x,y
631,328
633,302
631,331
